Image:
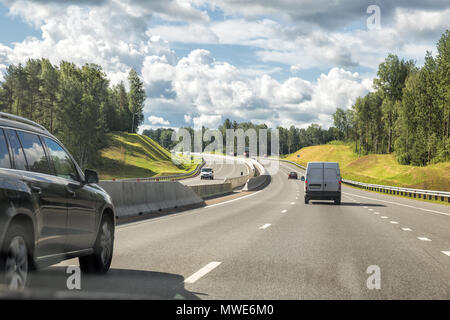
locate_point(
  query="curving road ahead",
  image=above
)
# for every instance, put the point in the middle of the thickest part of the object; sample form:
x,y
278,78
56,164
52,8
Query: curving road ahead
x,y
222,170
270,245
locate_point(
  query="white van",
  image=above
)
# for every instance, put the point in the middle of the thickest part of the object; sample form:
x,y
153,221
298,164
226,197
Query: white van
x,y
323,182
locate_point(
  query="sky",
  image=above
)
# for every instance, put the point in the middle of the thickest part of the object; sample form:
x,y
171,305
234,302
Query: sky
x,y
280,62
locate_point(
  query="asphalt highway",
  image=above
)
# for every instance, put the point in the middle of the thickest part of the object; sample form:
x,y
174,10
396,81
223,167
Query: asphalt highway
x,y
270,245
222,170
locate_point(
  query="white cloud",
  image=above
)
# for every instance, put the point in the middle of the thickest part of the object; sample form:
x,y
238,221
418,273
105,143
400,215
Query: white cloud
x,y
422,23
207,91
112,36
339,88
187,118
158,120
208,121
198,87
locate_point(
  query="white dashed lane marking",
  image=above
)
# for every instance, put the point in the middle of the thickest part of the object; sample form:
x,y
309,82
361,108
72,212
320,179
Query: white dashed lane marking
x,y
406,229
384,217
423,238
265,226
447,253
394,222
200,273
284,211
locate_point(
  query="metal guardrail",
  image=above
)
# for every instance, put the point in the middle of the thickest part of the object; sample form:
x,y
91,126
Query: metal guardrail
x,y
173,177
412,193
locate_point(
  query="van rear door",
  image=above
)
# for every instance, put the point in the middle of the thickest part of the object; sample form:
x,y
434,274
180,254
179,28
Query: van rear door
x,y
314,176
331,176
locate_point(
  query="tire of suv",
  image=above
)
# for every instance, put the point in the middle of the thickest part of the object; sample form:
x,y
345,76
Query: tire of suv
x,y
100,260
15,263
337,201
306,201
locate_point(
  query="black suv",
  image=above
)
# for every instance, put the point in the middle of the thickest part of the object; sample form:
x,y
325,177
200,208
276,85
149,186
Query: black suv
x,y
49,209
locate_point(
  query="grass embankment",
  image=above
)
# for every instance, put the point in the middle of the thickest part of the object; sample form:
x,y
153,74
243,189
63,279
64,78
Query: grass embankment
x,y
136,156
377,168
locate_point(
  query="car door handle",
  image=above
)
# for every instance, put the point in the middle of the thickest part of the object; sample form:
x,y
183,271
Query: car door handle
x,y
71,192
36,189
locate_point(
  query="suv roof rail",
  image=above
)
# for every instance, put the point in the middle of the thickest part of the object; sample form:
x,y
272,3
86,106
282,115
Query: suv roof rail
x,y
21,119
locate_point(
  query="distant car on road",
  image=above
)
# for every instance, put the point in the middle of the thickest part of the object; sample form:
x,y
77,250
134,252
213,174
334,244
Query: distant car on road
x,y
50,209
207,173
293,175
323,182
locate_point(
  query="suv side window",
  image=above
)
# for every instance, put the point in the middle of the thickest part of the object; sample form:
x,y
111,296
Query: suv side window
x,y
5,161
17,152
34,152
63,164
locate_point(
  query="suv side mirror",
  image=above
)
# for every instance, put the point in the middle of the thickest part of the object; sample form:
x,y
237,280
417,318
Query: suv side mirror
x,y
302,178
91,176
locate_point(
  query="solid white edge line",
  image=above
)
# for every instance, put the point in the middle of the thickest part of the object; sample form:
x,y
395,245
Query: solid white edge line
x,y
232,200
200,273
184,214
400,204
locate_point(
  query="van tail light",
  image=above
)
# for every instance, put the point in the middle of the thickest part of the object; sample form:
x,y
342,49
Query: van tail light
x,y
340,182
306,185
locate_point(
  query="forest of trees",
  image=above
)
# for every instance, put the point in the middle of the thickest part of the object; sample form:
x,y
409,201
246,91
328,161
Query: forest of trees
x,y
76,104
409,113
291,139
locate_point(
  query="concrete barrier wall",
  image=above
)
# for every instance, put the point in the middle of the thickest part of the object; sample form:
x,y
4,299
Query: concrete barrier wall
x,y
256,182
237,181
211,190
131,198
242,180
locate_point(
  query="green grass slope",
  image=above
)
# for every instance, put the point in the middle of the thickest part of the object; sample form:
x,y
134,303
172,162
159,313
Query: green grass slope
x,y
136,156
377,168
